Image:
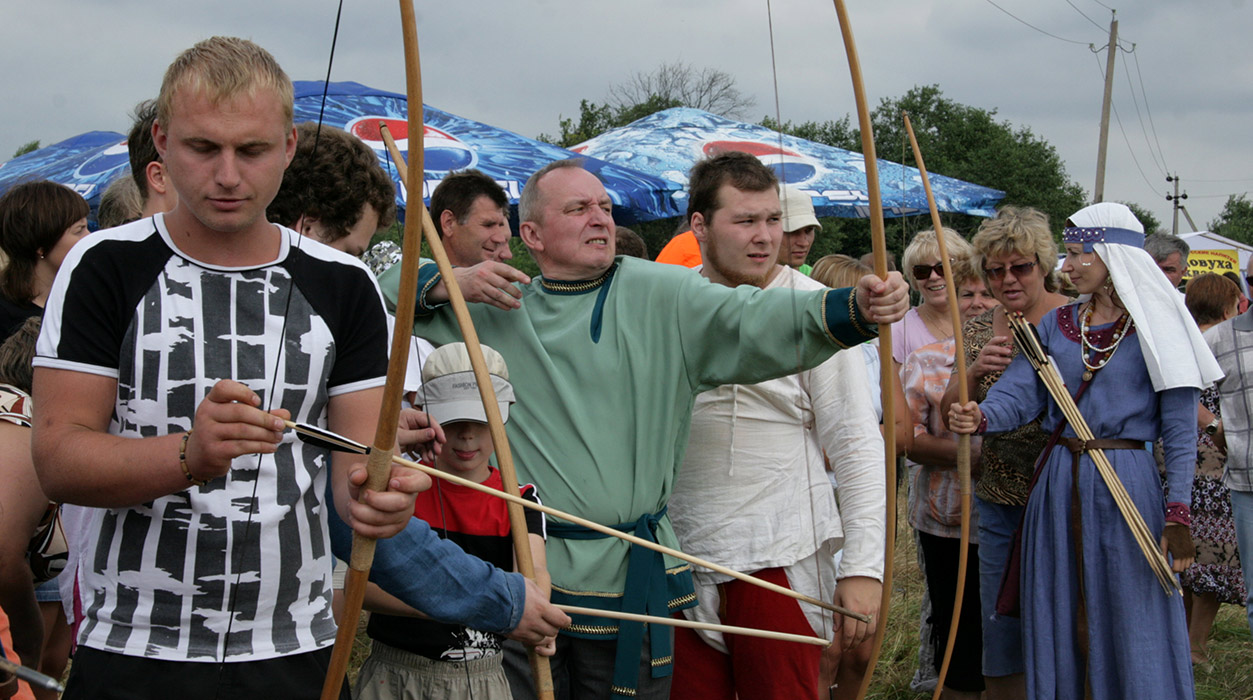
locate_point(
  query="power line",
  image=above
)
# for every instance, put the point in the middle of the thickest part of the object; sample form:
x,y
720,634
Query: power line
x,y
1103,5
1132,88
1217,196
1094,23
1126,140
1236,179
1059,38
1145,94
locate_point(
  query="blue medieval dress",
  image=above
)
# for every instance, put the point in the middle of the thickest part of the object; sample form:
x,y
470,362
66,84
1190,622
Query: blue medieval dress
x,y
1136,635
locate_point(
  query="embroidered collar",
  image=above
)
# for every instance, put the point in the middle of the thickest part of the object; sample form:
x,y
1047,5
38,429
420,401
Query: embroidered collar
x,y
1068,324
577,286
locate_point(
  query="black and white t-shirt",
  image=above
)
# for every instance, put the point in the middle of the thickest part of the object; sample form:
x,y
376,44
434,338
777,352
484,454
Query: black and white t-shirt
x,y
159,578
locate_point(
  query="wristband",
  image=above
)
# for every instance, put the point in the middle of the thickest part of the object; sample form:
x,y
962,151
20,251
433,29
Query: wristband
x,y
1178,513
182,461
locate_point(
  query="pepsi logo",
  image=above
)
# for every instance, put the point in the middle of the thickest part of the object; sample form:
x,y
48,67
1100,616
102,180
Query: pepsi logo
x,y
442,152
790,167
104,162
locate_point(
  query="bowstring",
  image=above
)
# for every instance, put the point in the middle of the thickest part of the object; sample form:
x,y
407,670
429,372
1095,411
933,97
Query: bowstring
x,y
813,516
237,564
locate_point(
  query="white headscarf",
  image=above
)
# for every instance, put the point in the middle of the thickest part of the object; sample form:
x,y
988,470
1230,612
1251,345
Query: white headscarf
x,y
1174,351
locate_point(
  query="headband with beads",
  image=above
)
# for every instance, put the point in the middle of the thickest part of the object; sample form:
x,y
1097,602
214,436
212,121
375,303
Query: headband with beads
x,y
1102,234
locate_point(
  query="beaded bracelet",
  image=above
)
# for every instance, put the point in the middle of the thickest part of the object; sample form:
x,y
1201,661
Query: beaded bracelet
x,y
182,461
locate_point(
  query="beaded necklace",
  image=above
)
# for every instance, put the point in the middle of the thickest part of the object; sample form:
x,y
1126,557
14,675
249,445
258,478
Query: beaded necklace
x,y
1120,332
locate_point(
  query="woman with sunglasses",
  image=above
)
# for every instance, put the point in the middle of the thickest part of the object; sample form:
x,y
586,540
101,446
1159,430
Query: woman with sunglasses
x,y
925,324
928,322
935,496
1014,252
1096,622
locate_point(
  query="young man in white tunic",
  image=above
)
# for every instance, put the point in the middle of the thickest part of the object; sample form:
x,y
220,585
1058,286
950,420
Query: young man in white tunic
x,y
752,493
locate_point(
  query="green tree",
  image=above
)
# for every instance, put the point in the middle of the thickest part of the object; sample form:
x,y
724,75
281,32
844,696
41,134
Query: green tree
x,y
596,119
956,140
1235,221
839,133
26,148
593,119
969,143
1151,223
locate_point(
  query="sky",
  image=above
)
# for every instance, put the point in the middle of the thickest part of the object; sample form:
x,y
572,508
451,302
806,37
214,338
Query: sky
x,y
1184,93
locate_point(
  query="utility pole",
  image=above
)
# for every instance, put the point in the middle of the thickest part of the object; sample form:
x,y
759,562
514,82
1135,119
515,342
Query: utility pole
x,y
1174,200
1188,216
1098,193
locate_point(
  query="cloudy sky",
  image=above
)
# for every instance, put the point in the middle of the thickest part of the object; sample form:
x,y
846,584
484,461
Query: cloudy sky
x,y
78,65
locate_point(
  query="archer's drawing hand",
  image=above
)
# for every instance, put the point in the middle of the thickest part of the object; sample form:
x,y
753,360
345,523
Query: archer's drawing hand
x,y
964,420
229,424
861,594
882,301
419,435
540,618
488,282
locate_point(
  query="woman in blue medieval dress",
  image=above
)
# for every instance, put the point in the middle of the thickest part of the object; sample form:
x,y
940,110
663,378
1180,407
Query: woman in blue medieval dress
x,y
1094,614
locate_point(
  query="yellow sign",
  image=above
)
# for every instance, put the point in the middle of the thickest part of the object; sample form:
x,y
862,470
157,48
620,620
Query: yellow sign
x,y
1219,261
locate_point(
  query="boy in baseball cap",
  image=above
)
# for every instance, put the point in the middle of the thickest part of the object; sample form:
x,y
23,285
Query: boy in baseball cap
x,y
426,657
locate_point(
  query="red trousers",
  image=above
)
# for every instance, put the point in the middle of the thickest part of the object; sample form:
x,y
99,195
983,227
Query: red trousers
x,y
760,669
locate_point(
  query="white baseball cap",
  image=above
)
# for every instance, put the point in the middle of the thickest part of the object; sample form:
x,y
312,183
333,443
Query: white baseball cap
x,y
798,209
449,392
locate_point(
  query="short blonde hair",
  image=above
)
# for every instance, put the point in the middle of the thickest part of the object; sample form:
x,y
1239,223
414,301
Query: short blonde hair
x,y
223,67
1018,231
839,271
924,246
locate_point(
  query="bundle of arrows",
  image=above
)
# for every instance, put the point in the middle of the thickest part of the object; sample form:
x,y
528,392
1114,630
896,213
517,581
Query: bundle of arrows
x,y
1029,343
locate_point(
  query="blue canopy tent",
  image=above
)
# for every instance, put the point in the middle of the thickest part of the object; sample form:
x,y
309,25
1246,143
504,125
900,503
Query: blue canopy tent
x,y
455,143
666,144
89,162
86,163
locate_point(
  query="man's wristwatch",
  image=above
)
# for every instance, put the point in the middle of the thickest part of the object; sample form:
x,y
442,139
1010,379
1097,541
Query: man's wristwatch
x,y
1212,428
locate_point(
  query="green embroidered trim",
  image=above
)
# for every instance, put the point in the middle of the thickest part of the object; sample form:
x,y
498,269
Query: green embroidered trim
x,y
682,600
826,327
619,690
663,661
592,594
854,314
593,629
422,292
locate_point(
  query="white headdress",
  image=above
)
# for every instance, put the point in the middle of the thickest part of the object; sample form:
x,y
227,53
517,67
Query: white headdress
x,y
1174,351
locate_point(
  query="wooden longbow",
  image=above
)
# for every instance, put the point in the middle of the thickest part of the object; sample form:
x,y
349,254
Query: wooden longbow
x,y
963,393
886,383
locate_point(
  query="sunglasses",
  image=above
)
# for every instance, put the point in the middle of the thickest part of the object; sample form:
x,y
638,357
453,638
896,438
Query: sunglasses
x,y
922,272
996,274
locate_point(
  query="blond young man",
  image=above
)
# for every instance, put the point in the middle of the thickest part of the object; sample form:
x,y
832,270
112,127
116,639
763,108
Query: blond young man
x,y
172,349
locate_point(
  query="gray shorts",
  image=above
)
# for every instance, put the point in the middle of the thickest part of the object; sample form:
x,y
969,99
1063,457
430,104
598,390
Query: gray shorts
x,y
394,674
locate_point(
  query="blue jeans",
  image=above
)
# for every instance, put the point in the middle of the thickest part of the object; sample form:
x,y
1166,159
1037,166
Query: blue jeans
x,y
1002,636
1242,513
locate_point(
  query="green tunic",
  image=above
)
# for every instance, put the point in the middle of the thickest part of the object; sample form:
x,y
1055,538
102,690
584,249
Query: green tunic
x,y
606,372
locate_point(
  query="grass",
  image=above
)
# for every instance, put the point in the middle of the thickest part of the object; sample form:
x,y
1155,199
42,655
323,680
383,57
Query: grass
x,y
1228,675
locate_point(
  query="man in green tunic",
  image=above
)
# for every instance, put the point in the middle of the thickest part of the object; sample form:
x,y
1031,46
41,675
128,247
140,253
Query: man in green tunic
x,y
607,355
